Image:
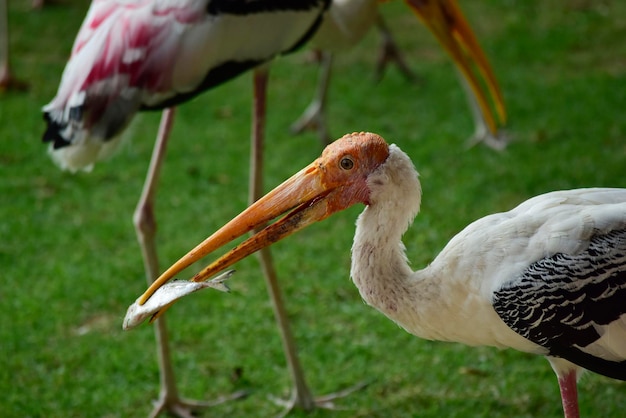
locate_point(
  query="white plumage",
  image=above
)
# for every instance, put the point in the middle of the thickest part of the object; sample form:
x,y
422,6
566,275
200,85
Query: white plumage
x,y
459,296
346,23
452,298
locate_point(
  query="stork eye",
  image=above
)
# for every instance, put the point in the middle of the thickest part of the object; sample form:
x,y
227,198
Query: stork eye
x,y
347,163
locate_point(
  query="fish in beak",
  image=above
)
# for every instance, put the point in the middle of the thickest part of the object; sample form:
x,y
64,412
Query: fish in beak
x,y
168,294
446,21
329,184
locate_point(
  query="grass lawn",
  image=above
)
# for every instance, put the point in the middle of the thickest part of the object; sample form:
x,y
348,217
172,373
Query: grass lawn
x,y
71,264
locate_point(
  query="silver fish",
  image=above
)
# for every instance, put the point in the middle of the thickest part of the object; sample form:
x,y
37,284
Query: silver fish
x,y
168,294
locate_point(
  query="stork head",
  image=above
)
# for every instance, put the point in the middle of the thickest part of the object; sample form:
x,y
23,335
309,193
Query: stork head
x,y
333,182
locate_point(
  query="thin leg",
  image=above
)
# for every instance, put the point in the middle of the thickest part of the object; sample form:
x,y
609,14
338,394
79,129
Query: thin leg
x,y
301,396
314,116
7,81
482,133
389,52
569,394
145,227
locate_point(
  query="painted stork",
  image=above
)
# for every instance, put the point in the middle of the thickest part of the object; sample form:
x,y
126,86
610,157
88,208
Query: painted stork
x,y
135,55
347,23
547,277
145,54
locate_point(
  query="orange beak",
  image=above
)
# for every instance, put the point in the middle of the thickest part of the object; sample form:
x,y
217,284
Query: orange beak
x,y
446,21
326,186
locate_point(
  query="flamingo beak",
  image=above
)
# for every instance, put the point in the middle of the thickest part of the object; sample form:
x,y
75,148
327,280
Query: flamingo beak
x,y
446,21
311,195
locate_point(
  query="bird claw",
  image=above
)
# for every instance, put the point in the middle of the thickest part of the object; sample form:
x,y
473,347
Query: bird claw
x,y
322,402
186,408
312,119
390,53
497,141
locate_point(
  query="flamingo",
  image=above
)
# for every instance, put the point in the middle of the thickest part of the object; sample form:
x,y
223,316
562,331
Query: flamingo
x,y
135,55
547,277
347,23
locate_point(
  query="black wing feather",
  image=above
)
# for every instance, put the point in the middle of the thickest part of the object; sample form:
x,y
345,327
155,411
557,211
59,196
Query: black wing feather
x,y
562,302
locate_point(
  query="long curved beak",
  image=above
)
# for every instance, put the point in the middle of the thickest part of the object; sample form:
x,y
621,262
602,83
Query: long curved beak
x,y
303,193
446,21
308,196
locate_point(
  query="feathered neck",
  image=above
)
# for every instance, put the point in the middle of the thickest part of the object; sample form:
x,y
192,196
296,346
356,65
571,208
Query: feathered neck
x,y
380,269
440,302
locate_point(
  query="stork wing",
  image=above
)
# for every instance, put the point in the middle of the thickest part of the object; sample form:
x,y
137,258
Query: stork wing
x,y
574,305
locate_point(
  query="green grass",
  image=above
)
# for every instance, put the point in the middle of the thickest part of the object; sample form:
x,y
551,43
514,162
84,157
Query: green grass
x,y
71,264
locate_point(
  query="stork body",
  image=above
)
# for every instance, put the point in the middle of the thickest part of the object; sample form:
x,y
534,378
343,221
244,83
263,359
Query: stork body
x,y
547,277
154,54
543,278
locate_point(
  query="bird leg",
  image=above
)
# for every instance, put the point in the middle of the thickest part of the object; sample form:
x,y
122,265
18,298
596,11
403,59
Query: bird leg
x,y
389,52
314,116
569,394
301,396
482,133
7,81
145,227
